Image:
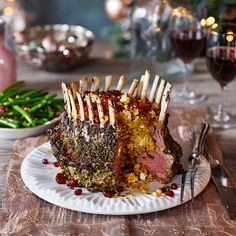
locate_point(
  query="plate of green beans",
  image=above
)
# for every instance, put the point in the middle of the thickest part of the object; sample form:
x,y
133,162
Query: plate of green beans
x,y
27,112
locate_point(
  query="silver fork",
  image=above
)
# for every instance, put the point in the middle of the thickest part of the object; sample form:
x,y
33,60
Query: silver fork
x,y
199,133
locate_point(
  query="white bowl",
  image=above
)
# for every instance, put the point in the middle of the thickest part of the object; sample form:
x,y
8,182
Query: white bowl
x,y
12,133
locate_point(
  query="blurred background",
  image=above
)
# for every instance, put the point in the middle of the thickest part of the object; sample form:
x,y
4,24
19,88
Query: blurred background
x,y
137,29
109,19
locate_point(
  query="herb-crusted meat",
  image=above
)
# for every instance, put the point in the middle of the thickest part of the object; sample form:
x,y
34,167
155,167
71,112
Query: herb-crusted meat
x,y
108,137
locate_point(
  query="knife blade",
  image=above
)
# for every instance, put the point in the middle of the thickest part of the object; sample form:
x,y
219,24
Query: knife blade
x,y
226,191
183,179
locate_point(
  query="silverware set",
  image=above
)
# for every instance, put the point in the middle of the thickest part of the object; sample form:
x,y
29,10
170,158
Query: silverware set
x,y
199,133
219,175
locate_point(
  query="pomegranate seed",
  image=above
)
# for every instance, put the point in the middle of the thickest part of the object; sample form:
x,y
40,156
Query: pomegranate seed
x,y
174,186
78,191
145,108
116,93
107,95
2,109
120,107
60,178
136,104
120,189
45,161
72,183
108,194
169,193
56,164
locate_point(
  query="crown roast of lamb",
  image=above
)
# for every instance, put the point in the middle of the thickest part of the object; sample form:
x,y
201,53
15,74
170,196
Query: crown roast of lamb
x,y
104,134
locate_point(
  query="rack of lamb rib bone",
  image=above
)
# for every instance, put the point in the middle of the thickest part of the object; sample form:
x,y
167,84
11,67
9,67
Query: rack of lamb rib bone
x,y
105,133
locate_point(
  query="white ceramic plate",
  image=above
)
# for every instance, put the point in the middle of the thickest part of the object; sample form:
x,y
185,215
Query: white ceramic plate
x,y
40,179
12,133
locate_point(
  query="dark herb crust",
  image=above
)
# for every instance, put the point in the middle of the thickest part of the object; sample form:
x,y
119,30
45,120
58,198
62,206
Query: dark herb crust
x,y
86,153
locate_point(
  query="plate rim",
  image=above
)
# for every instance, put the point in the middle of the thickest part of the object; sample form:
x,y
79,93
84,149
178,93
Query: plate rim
x,y
55,200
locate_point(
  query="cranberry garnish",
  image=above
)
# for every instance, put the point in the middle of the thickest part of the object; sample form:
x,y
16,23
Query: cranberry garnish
x,y
169,193
78,191
72,183
56,164
60,178
174,186
120,189
108,194
45,161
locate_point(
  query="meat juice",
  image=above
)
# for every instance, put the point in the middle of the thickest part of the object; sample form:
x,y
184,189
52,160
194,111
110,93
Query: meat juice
x,y
188,44
221,63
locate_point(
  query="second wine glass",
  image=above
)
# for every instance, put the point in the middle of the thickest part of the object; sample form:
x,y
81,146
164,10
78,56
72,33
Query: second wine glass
x,y
188,38
221,63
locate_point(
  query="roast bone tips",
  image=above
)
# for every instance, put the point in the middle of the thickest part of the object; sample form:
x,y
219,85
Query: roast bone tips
x,y
90,108
165,102
81,106
112,113
121,83
66,99
133,87
108,81
83,85
73,106
95,83
75,88
140,87
100,112
75,97
154,88
159,91
145,84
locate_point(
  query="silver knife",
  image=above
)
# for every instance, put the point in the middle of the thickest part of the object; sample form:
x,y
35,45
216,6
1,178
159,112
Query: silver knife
x,y
226,191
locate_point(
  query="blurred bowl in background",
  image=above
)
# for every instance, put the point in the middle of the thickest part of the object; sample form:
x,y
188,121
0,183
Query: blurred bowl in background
x,y
55,48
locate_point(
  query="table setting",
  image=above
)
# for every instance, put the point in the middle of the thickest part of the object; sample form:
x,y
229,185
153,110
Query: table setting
x,y
89,146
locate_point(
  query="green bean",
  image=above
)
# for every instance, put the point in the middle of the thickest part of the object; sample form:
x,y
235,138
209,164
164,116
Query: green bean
x,y
25,114
10,87
12,95
50,112
27,107
41,114
9,124
26,124
45,101
21,101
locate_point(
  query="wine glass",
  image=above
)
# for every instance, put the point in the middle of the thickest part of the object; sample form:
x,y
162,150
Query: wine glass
x,y
221,63
188,37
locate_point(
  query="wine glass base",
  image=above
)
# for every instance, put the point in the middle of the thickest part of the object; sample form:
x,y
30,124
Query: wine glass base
x,y
188,97
225,122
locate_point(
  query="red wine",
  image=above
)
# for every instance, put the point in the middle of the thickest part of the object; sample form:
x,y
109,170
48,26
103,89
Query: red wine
x,y
187,44
221,63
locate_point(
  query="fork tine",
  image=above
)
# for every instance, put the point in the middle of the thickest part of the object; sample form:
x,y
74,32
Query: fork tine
x,y
183,179
193,172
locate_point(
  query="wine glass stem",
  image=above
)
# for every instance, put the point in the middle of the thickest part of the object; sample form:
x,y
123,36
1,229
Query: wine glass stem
x,y
220,112
186,89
